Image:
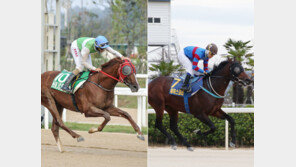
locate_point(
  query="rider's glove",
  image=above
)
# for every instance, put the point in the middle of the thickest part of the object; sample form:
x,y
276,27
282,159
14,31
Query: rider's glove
x,y
207,74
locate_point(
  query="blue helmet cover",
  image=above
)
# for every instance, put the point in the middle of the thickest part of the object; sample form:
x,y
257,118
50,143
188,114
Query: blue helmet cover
x,y
101,40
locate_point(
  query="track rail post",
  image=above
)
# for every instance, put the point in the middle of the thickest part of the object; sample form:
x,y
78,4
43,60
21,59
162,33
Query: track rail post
x,y
226,135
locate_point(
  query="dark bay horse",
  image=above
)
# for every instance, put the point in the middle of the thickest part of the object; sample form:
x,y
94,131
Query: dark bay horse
x,y
202,105
94,99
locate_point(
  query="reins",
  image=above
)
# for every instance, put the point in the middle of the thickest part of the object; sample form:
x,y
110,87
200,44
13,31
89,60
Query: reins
x,y
221,96
100,86
110,76
216,95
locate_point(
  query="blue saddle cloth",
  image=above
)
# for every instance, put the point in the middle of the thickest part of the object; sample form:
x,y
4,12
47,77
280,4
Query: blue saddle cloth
x,y
176,85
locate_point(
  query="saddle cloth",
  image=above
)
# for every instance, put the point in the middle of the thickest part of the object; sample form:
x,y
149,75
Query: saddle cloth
x,y
60,79
177,83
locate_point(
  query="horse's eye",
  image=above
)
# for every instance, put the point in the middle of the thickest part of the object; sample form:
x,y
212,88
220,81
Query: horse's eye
x,y
126,70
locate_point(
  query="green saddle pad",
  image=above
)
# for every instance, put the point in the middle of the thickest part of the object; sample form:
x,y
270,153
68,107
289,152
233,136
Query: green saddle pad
x,y
60,80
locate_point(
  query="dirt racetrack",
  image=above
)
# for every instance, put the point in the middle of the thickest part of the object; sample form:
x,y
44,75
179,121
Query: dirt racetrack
x,y
201,157
98,150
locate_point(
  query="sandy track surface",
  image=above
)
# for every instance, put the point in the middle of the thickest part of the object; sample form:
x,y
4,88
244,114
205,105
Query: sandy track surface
x,y
99,149
78,117
201,157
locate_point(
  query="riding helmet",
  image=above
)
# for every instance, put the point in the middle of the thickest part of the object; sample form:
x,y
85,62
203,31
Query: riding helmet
x,y
212,48
101,42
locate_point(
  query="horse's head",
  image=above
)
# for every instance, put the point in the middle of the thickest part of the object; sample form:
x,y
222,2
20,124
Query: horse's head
x,y
127,75
238,74
124,70
234,71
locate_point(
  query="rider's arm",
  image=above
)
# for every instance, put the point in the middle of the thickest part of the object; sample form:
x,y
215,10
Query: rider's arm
x,y
109,49
206,65
85,52
195,64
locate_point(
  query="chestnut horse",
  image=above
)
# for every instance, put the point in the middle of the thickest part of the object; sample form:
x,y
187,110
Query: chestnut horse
x,y
201,104
94,99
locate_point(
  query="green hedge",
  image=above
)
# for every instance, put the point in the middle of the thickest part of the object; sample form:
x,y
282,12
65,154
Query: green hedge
x,y
187,124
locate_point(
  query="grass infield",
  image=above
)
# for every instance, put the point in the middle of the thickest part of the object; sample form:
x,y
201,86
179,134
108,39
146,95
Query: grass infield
x,y
108,128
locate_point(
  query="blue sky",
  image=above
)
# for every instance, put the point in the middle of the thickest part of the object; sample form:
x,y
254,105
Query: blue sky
x,y
199,22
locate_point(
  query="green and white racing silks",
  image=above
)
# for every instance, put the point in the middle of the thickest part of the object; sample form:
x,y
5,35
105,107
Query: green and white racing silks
x,y
85,46
87,42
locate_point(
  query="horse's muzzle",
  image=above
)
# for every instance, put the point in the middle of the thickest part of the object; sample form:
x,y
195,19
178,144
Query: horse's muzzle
x,y
134,88
249,81
245,82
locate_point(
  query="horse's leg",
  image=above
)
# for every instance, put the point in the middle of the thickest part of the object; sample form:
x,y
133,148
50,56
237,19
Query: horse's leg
x,y
55,130
51,106
120,113
96,112
174,127
222,115
206,120
158,124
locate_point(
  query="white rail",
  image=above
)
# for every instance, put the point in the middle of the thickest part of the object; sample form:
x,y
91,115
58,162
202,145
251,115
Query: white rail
x,y
141,98
227,110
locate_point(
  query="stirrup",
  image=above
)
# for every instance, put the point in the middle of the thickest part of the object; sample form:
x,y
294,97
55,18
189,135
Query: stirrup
x,y
186,89
66,88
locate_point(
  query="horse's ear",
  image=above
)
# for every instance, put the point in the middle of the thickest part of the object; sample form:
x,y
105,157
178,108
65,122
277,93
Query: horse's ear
x,y
231,59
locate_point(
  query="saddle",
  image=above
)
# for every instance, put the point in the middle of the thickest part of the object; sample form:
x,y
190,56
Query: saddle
x,y
195,83
77,83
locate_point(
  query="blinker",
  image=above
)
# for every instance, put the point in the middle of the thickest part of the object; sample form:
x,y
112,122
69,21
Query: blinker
x,y
126,70
236,69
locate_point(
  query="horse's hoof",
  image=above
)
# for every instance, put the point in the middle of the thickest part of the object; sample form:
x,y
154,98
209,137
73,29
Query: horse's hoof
x,y
92,130
174,147
141,137
232,145
80,138
189,148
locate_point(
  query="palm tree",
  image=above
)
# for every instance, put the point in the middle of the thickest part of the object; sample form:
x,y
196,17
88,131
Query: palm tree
x,y
250,88
165,68
239,51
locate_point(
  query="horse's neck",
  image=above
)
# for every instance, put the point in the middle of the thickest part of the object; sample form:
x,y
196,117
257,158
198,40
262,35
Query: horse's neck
x,y
219,84
104,80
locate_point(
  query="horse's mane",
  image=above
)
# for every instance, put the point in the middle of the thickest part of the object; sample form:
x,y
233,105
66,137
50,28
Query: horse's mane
x,y
111,62
220,66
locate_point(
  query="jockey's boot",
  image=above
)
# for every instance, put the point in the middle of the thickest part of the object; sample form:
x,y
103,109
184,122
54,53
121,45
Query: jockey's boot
x,y
186,87
65,87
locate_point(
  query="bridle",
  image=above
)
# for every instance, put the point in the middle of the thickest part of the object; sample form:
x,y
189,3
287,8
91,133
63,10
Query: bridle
x,y
235,70
125,69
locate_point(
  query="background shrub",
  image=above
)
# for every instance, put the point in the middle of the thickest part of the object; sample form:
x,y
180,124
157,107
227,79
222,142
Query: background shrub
x,y
187,124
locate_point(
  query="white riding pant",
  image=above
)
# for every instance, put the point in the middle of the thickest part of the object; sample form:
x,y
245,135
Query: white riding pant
x,y
185,61
77,56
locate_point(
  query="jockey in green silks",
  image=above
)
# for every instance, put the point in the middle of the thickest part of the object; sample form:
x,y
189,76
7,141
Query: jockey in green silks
x,y
81,49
